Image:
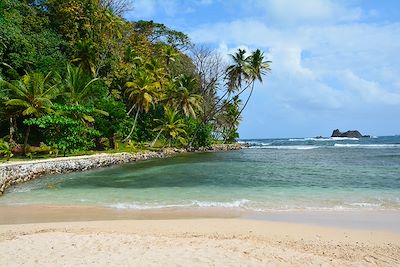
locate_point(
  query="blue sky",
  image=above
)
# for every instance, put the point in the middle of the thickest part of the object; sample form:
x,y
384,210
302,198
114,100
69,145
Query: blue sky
x,y
335,64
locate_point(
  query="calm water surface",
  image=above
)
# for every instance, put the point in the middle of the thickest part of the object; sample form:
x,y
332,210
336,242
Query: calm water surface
x,y
271,175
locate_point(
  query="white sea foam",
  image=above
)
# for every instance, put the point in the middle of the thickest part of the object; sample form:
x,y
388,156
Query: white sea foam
x,y
210,204
258,144
368,145
144,206
319,139
195,203
308,139
365,205
344,138
20,189
290,147
322,139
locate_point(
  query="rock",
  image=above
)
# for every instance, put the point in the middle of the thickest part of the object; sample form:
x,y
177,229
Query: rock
x,y
349,134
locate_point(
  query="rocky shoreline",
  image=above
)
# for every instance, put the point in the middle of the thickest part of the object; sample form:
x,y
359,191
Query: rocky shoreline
x,y
18,172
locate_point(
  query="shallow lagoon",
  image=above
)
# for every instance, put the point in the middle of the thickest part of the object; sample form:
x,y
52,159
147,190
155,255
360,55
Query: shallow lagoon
x,y
272,175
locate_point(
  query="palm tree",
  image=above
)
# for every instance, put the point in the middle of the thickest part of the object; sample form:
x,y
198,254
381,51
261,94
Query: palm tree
x,y
183,96
85,56
172,126
238,71
143,92
32,96
235,74
77,90
257,68
77,85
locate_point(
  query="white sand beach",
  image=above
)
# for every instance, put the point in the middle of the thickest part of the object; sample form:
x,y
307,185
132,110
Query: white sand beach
x,y
193,242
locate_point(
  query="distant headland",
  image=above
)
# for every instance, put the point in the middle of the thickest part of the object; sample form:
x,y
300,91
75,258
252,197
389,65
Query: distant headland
x,y
349,134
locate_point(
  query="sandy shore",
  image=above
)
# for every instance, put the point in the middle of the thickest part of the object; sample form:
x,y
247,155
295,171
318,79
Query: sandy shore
x,y
193,242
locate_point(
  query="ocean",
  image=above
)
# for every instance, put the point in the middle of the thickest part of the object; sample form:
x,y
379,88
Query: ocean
x,y
296,174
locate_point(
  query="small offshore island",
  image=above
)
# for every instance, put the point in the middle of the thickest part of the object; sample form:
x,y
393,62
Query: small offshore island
x,y
106,125
348,134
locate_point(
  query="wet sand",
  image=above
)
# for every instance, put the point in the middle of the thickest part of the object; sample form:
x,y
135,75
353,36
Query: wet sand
x,y
367,220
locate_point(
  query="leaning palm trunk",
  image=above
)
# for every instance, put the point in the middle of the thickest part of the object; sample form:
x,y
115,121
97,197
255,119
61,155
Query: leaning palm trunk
x,y
244,106
155,140
216,111
133,127
228,101
129,112
247,101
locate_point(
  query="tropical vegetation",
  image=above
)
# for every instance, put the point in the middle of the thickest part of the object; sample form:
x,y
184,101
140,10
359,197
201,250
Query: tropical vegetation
x,y
75,75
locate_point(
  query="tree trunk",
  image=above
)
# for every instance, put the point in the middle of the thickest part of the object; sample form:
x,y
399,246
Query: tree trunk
x,y
26,138
129,112
12,130
240,112
155,140
133,127
247,101
113,141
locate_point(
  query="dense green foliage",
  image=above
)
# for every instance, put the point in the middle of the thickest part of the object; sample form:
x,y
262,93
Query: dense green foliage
x,y
75,75
63,131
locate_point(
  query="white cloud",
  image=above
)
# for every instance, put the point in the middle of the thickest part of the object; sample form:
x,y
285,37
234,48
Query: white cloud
x,y
313,56
370,91
287,59
226,51
328,61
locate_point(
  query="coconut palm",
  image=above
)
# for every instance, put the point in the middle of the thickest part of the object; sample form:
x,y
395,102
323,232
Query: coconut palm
x,y
32,96
184,97
77,89
256,69
77,86
85,56
238,71
172,126
235,74
143,92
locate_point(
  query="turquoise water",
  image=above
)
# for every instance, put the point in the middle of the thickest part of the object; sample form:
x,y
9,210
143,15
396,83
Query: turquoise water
x,y
271,175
